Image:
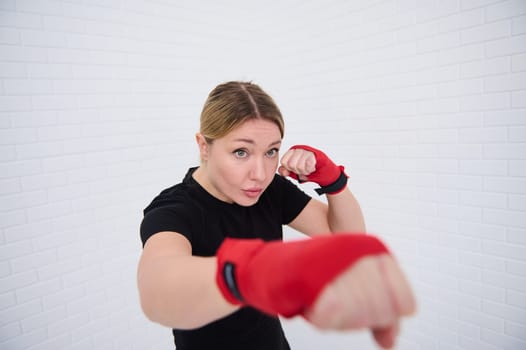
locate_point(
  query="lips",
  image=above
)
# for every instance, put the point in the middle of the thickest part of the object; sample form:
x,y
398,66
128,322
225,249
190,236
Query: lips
x,y
253,192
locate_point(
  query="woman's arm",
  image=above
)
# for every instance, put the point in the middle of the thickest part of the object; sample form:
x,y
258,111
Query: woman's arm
x,y
342,211
341,214
176,289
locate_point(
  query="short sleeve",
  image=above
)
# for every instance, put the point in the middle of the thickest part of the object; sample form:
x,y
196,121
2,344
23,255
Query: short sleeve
x,y
169,218
292,198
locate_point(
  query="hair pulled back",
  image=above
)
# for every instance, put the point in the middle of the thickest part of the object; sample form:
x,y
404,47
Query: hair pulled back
x,y
232,103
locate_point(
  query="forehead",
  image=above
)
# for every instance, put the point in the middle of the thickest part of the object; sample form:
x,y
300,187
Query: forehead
x,y
256,128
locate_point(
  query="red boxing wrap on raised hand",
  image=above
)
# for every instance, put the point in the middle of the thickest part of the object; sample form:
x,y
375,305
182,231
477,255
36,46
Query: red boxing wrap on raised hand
x,y
326,174
285,278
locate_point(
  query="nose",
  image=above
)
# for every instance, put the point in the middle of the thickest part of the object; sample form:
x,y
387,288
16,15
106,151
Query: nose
x,y
257,171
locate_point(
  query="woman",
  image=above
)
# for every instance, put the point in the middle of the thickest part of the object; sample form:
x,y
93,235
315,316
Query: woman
x,y
214,268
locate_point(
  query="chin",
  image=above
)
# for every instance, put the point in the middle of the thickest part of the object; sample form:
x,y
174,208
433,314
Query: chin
x,y
244,202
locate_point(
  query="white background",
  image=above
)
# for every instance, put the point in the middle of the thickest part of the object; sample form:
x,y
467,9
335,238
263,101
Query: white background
x,y
423,101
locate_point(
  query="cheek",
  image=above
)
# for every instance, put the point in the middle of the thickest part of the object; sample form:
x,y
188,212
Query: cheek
x,y
234,174
230,174
273,164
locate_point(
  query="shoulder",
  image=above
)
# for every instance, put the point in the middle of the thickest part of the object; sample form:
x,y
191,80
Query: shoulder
x,y
169,197
182,193
174,209
280,183
284,189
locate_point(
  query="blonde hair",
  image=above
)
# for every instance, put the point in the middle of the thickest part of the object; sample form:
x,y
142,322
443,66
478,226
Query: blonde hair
x,y
230,104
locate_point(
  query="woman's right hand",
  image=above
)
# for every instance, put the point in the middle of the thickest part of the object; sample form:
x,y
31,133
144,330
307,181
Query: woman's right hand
x,y
343,281
373,293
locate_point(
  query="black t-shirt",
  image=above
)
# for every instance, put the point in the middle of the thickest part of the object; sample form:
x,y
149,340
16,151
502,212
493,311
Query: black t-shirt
x,y
206,221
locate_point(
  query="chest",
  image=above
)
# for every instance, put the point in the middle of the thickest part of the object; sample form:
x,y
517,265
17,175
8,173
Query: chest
x,y
216,224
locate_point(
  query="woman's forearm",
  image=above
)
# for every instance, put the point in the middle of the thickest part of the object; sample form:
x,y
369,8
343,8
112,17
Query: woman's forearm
x,y
344,213
180,291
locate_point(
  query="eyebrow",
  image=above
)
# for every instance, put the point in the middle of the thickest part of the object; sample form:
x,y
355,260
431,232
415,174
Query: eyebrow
x,y
252,141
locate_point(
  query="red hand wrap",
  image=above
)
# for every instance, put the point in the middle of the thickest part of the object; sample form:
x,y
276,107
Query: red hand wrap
x,y
284,278
326,173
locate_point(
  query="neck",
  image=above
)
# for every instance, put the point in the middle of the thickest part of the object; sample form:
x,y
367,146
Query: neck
x,y
198,174
201,177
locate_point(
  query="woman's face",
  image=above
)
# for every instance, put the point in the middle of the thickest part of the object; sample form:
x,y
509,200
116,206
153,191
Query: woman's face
x,y
240,166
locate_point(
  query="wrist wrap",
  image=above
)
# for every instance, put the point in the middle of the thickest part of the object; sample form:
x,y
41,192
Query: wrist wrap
x,y
285,278
336,187
331,177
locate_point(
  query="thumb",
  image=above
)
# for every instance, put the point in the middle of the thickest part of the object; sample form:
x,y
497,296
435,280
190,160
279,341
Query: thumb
x,y
286,172
386,337
283,171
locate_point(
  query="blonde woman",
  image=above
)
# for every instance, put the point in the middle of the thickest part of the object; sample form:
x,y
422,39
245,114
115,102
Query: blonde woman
x,y
214,267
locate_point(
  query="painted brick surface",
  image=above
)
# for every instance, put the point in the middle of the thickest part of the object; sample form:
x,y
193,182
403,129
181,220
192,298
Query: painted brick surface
x,y
423,101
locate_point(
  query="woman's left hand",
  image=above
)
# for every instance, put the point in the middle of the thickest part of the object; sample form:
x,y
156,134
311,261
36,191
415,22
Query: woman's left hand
x,y
298,161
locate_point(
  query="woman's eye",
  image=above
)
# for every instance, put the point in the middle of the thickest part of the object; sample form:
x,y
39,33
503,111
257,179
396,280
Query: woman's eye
x,y
240,153
273,152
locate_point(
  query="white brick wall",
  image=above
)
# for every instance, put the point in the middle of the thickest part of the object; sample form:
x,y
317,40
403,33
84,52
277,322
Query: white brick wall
x,y
423,101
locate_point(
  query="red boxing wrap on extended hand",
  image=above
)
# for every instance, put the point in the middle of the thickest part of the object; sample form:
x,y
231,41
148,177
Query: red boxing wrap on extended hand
x,y
326,173
285,278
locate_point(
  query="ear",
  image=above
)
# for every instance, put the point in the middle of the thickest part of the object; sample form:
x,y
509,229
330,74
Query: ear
x,y
203,146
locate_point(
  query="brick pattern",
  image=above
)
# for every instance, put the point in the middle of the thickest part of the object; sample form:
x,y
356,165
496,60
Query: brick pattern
x,y
423,101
